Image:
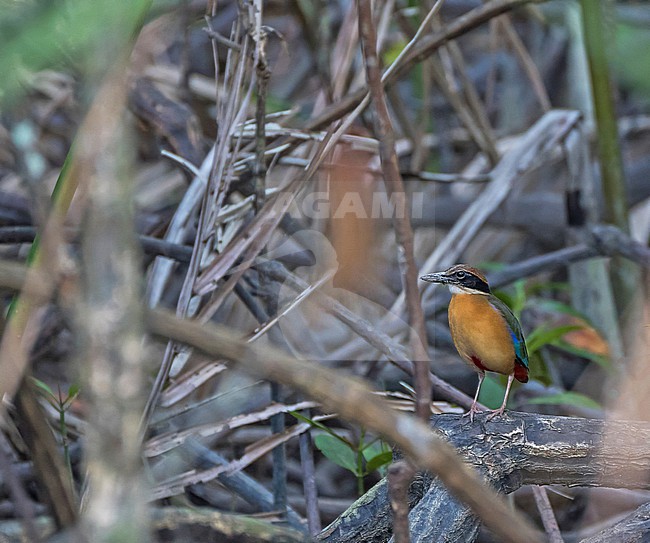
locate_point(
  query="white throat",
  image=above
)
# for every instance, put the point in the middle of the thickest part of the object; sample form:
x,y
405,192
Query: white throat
x,y
455,289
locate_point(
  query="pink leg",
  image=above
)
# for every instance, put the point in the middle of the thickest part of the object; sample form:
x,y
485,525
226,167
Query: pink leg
x,y
501,409
473,409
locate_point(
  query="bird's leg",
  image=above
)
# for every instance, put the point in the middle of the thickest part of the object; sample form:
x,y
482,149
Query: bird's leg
x,y
501,409
474,409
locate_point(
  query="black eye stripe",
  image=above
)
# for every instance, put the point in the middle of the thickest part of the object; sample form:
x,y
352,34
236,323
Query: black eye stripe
x,y
469,280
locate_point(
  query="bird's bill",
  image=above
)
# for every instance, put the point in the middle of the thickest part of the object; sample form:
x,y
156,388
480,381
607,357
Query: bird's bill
x,y
437,277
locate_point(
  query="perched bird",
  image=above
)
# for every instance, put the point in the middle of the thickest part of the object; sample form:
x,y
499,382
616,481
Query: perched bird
x,y
485,332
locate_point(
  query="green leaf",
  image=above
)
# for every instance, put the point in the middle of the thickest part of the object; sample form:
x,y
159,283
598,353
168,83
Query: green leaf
x,y
320,426
373,448
336,451
79,28
379,461
543,286
73,392
556,306
302,418
520,297
541,336
567,398
514,298
490,266
44,387
505,297
603,361
631,44
393,52
539,369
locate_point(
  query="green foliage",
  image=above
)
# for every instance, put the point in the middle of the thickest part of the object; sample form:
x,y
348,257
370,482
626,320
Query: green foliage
x,y
377,458
544,335
567,398
520,296
391,54
631,46
515,298
337,451
361,459
39,35
57,401
603,361
61,403
492,392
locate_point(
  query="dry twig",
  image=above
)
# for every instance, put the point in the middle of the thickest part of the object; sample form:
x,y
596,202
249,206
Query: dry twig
x,y
402,225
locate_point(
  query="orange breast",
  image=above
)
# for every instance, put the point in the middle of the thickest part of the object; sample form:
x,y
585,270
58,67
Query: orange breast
x,y
481,334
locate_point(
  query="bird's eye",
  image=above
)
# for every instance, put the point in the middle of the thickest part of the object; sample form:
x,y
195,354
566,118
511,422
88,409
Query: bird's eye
x,y
460,275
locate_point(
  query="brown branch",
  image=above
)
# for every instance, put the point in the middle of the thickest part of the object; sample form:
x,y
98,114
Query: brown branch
x,y
355,402
426,47
263,74
538,449
395,187
309,483
512,451
606,240
237,482
526,61
46,456
539,141
612,241
546,513
109,326
463,98
204,524
350,397
399,477
19,333
384,343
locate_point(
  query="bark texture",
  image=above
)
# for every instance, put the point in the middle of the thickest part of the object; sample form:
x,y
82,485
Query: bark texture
x,y
514,450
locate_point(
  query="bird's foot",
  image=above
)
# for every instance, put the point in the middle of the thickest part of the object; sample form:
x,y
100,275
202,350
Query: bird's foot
x,y
471,412
495,413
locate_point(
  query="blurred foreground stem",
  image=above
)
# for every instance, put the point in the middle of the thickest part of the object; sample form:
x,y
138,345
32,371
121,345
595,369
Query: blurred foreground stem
x,y
624,274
